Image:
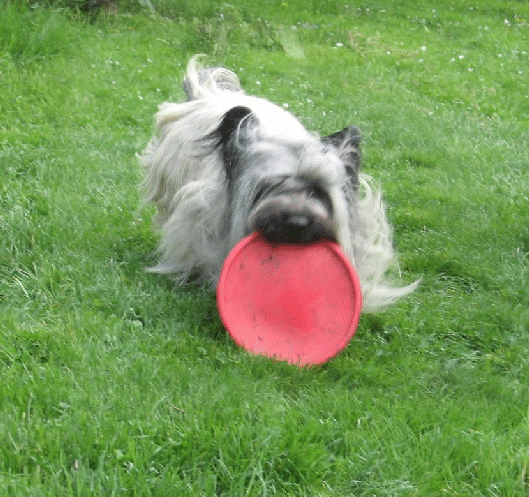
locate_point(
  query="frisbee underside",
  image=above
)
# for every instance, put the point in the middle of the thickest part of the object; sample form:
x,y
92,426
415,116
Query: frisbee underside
x,y
295,303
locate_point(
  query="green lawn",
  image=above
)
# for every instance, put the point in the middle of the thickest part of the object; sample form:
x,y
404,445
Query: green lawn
x,y
116,382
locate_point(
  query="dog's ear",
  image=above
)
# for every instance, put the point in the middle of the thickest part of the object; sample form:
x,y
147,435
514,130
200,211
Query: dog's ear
x,y
347,144
232,135
231,123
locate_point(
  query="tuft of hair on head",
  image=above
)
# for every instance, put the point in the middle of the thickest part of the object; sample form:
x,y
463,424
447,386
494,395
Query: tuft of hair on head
x,y
200,82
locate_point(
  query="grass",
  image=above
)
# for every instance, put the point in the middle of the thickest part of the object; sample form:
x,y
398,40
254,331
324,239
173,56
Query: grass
x,y
116,382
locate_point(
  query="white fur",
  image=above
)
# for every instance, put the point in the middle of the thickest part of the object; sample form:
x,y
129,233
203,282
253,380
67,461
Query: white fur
x,y
187,182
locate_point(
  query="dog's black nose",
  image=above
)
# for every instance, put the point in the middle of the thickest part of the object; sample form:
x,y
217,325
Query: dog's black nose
x,y
296,228
297,221
289,227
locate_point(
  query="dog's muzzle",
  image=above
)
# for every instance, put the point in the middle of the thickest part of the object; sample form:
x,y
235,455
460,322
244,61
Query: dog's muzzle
x,y
290,209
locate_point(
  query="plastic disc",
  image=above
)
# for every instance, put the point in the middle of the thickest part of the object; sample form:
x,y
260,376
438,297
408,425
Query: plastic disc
x,y
295,303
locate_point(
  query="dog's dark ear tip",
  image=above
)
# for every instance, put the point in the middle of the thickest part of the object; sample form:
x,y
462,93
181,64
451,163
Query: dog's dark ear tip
x,y
237,112
356,132
347,136
231,120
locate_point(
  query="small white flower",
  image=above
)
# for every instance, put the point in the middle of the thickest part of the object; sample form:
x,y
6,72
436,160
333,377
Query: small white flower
x,y
339,44
257,82
423,49
506,22
461,56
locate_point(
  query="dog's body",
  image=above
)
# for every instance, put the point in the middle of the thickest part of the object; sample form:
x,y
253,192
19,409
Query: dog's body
x,y
225,164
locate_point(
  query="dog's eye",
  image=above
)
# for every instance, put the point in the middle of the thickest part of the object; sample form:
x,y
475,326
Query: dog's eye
x,y
260,194
319,193
316,191
267,188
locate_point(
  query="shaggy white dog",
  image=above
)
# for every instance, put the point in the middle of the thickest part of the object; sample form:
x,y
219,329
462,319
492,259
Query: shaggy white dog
x,y
225,164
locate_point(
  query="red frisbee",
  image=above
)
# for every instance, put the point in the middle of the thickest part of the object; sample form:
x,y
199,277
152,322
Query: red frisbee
x,y
295,303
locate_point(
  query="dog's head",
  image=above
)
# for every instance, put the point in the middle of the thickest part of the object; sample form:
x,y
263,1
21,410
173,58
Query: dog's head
x,y
286,189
